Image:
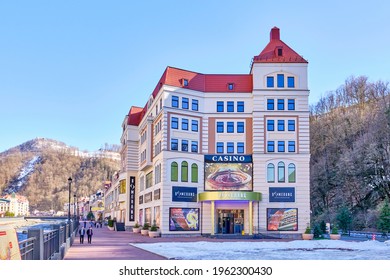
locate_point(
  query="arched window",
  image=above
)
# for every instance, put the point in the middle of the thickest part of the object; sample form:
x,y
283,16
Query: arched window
x,y
281,177
184,171
194,173
291,173
174,171
270,173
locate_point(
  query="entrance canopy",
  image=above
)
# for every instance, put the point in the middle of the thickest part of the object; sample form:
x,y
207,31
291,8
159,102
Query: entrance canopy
x,y
234,195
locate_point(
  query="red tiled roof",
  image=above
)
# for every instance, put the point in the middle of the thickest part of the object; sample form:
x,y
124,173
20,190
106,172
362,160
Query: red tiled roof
x,y
270,54
135,115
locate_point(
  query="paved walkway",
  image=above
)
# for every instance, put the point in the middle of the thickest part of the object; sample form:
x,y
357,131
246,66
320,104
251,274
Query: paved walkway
x,y
115,245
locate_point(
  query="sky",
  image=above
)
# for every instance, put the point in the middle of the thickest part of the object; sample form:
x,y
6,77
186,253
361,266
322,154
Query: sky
x,y
71,70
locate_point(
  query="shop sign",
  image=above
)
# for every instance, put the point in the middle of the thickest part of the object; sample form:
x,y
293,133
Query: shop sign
x,y
281,194
250,196
183,219
132,199
228,158
184,194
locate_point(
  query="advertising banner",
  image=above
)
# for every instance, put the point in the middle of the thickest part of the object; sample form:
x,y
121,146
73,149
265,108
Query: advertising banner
x,y
132,199
281,194
184,194
282,219
9,245
228,173
183,219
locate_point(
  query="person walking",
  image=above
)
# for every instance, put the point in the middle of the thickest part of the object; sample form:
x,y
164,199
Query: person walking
x,y
82,233
89,235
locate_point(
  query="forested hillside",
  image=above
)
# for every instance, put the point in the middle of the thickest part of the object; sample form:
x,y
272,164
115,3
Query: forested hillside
x,y
44,180
350,152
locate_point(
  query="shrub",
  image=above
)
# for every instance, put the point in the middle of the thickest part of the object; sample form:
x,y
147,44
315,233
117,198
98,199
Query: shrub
x,y
154,227
146,226
136,225
110,223
317,231
335,230
308,230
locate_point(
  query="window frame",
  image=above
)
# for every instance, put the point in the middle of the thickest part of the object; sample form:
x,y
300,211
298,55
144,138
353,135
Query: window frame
x,y
291,104
220,106
280,80
230,147
230,106
220,145
270,81
240,145
194,144
240,127
291,125
220,127
230,127
175,100
174,141
270,171
270,125
290,82
185,101
240,106
195,104
174,123
291,147
281,126
270,146
194,124
270,104
281,147
184,124
280,104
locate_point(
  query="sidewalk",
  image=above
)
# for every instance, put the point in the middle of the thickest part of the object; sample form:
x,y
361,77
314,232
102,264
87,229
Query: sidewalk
x,y
110,245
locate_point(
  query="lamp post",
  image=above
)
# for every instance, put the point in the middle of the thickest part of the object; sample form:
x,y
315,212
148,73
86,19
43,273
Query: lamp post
x,y
70,184
75,206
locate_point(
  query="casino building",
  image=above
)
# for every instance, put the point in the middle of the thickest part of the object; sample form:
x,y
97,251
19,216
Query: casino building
x,y
222,153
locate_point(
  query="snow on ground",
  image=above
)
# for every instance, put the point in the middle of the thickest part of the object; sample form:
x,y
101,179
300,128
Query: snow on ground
x,y
293,250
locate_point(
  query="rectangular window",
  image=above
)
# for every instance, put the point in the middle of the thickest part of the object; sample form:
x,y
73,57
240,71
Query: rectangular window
x,y
270,104
281,146
291,146
291,104
175,123
280,125
290,82
194,146
195,105
219,147
184,124
220,106
240,127
270,81
291,125
240,148
280,78
270,125
194,125
184,145
185,103
270,146
175,101
174,144
230,127
230,147
230,106
280,104
240,106
219,127
185,82
230,86
149,179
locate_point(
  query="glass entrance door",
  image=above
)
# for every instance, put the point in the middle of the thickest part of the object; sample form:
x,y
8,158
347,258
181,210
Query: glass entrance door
x,y
230,221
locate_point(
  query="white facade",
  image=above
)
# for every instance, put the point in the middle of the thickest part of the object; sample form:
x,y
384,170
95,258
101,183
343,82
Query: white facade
x,y
168,147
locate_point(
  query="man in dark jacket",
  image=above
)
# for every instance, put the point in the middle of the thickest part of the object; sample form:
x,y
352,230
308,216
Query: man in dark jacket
x,y
82,233
89,234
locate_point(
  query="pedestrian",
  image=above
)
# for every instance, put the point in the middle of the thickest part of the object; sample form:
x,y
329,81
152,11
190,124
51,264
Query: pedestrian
x,y
85,223
82,233
89,234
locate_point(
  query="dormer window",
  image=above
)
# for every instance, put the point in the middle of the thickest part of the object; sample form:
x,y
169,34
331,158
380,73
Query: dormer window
x,y
279,51
230,86
185,82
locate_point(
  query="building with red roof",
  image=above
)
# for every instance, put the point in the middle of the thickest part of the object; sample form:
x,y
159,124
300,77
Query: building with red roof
x,y
222,154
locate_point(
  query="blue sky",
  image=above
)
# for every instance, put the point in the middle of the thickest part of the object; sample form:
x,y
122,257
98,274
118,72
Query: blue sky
x,y
70,70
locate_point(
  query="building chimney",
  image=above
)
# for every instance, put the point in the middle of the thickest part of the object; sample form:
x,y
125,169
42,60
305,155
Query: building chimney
x,y
275,33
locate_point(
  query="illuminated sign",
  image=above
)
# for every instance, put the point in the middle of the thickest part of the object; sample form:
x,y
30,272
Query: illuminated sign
x,y
184,194
282,219
132,199
252,196
183,219
281,194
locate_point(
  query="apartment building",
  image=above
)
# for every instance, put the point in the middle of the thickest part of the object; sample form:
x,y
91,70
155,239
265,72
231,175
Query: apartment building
x,y
221,153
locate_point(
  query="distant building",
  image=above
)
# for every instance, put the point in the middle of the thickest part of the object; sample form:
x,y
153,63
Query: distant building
x,y
17,204
4,206
220,153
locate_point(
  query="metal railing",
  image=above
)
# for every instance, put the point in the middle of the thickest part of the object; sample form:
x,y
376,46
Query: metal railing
x,y
48,244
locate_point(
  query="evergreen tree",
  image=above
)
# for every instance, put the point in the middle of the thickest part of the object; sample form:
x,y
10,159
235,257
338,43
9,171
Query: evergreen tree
x,y
344,219
384,218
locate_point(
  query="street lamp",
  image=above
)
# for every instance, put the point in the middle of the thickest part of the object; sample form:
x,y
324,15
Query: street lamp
x,y
75,206
70,183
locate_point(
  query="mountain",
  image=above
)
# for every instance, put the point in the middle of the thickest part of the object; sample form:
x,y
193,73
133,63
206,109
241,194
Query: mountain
x,y
350,153
39,169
